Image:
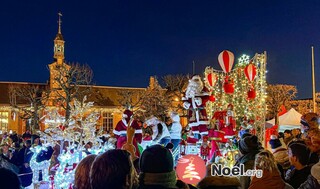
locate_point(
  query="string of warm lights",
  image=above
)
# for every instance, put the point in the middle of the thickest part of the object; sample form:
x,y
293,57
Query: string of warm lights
x,y
251,109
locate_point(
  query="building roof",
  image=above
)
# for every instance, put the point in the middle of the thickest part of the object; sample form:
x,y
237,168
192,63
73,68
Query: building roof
x,y
5,87
102,96
107,96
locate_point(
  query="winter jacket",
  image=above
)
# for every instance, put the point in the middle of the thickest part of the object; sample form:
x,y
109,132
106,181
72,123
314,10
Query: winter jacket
x,y
25,173
281,156
311,182
268,180
175,132
219,182
296,177
248,161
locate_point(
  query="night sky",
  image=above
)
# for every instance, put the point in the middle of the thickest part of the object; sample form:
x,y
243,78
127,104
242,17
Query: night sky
x,y
125,42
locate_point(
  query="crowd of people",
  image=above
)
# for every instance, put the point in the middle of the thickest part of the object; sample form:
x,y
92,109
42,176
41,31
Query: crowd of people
x,y
291,162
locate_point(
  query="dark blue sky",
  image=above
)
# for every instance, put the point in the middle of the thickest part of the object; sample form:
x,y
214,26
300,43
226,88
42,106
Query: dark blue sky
x,y
125,42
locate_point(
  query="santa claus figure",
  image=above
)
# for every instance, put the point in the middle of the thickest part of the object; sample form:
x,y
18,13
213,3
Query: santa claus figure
x,y
230,122
120,131
195,101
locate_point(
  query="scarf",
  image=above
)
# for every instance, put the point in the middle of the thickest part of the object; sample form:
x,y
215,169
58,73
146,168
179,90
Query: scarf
x,y
167,180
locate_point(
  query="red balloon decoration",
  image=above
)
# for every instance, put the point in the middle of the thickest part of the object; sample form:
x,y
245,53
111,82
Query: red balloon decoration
x,y
226,60
250,71
251,94
212,78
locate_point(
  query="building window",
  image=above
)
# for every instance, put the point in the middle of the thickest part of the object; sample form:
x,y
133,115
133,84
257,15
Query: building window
x,y
4,119
107,124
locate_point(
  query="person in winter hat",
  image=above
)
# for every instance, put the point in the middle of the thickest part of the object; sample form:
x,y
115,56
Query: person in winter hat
x,y
175,132
156,168
27,135
248,147
313,180
279,152
35,140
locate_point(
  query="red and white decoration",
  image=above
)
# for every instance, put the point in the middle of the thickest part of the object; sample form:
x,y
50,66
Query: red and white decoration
x,y
226,60
250,72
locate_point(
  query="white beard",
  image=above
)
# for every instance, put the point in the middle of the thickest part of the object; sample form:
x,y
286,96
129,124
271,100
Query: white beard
x,y
194,88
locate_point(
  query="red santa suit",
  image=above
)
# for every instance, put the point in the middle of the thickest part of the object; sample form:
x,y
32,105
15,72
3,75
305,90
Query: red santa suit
x,y
195,101
120,131
205,148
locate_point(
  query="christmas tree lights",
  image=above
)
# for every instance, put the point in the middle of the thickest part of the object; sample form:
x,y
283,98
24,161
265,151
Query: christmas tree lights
x,y
251,109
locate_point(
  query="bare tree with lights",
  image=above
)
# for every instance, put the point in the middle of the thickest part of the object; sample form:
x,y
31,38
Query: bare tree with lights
x,y
279,95
175,85
130,99
33,98
74,83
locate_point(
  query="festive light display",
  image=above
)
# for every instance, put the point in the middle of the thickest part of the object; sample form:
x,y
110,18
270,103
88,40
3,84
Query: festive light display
x,y
251,108
39,167
73,139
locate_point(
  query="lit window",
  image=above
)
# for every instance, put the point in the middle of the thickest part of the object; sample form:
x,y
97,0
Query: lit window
x,y
107,124
4,119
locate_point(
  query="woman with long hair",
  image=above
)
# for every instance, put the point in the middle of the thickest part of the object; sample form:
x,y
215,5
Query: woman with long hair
x,y
267,173
81,179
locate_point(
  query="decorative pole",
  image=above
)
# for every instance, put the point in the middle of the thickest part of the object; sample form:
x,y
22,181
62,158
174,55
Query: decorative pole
x,y
313,82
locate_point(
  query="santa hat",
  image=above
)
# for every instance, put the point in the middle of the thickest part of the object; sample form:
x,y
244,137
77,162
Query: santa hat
x,y
127,114
274,142
315,171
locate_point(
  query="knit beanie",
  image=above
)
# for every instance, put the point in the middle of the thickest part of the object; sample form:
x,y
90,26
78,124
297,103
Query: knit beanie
x,y
34,137
156,159
156,168
245,134
248,144
274,142
315,171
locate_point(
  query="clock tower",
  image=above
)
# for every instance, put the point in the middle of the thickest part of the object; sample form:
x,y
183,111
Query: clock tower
x,y
58,68
59,44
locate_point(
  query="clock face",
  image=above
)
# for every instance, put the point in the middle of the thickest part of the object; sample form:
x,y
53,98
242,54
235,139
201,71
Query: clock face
x,y
58,48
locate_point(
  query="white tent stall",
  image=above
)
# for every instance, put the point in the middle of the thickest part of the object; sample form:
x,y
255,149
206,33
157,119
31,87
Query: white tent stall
x,y
289,120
